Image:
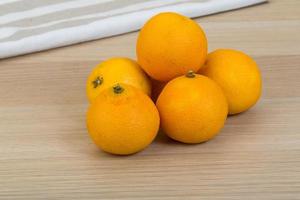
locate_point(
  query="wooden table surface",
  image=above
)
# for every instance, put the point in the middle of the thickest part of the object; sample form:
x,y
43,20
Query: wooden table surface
x,y
45,152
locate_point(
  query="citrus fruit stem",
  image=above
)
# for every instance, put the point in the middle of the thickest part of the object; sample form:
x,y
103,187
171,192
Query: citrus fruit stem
x,y
118,89
98,81
190,74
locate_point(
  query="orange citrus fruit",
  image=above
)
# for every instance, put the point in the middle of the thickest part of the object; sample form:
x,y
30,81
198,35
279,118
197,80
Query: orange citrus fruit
x,y
238,75
169,45
116,70
122,120
192,108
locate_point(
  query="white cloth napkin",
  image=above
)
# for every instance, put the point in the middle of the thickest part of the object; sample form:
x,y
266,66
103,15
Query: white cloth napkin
x,y
28,26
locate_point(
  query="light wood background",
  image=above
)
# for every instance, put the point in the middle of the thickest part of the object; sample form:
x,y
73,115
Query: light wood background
x,y
45,152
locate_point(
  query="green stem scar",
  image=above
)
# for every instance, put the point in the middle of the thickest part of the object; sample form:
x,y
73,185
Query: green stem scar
x,y
190,74
98,81
118,89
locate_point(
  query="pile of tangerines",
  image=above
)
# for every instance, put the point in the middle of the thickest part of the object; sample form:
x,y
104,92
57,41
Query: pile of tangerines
x,y
192,91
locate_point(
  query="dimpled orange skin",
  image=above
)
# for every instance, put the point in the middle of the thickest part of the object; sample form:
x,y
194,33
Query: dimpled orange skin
x,y
122,123
117,70
169,45
238,75
192,110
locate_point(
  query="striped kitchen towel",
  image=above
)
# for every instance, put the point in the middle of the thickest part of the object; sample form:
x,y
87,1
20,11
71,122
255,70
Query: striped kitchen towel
x,y
34,25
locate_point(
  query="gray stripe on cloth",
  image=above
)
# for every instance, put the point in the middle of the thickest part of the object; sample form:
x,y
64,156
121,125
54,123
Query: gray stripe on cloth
x,y
26,33
26,5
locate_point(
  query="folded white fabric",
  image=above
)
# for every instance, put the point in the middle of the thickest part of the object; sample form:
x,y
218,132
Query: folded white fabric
x,y
32,25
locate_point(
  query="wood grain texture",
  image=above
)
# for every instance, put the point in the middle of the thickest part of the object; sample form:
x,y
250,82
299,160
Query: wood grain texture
x,y
45,152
